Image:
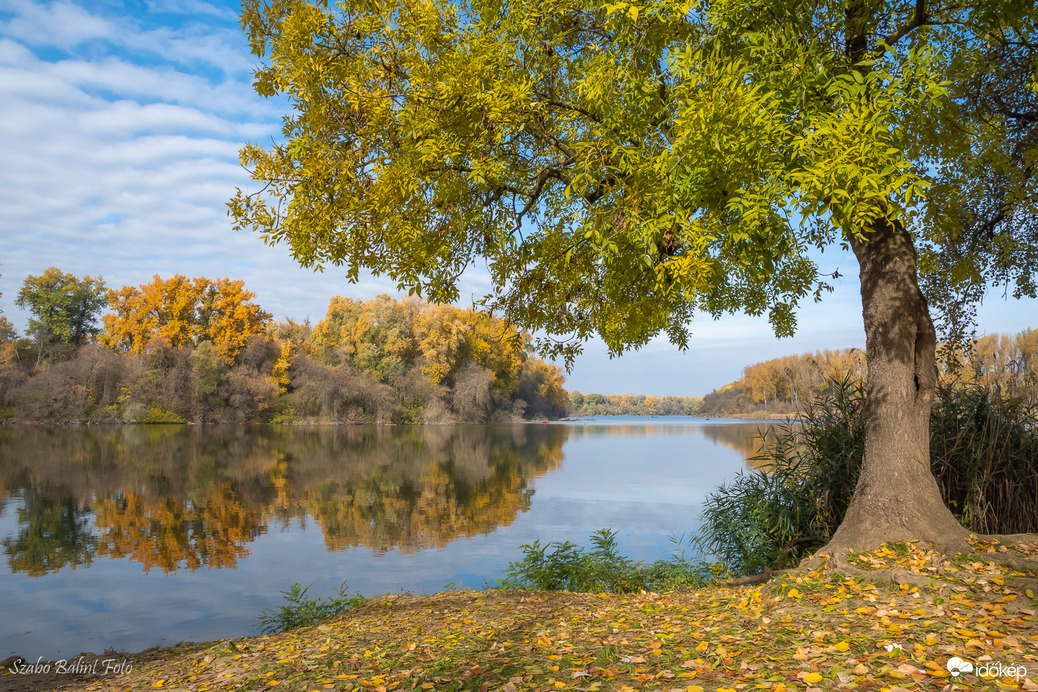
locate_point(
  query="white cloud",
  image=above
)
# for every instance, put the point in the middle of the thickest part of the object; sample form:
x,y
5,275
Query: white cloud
x,y
190,7
219,49
59,24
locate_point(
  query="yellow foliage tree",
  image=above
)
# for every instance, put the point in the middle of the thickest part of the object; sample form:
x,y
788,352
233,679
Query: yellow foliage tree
x,y
184,312
385,337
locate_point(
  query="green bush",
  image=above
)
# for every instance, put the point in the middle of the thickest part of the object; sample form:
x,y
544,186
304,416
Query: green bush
x,y
983,449
300,611
567,567
158,414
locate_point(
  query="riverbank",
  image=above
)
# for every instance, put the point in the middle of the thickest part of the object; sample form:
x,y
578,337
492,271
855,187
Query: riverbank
x,y
812,631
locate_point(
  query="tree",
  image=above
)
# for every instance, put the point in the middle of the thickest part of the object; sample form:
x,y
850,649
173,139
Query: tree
x,y
65,308
7,332
620,167
184,312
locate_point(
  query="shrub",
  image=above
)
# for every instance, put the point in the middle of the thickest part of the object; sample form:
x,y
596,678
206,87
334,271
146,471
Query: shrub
x,y
158,414
984,446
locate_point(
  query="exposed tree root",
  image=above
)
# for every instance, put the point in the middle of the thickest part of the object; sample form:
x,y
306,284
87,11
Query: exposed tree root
x,y
925,566
840,563
1008,554
761,578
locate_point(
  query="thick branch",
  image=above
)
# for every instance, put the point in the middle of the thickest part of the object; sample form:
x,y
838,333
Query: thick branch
x,y
545,175
569,107
919,18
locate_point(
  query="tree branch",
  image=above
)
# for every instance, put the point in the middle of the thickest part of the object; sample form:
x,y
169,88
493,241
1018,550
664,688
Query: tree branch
x,y
568,106
544,177
918,19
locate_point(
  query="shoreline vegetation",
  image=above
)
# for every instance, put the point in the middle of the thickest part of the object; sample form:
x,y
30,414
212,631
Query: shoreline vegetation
x,y
183,350
900,617
197,350
963,623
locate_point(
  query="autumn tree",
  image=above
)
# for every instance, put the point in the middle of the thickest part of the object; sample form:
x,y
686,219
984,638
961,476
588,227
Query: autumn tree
x,y
540,385
7,332
1007,362
797,379
388,338
184,312
619,167
64,307
10,371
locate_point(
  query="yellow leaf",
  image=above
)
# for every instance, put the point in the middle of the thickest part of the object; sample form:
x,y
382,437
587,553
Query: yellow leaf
x,y
812,678
158,683
842,647
1029,593
793,593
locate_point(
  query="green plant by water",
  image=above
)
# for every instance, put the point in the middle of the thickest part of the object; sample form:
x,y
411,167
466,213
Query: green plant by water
x,y
564,566
300,611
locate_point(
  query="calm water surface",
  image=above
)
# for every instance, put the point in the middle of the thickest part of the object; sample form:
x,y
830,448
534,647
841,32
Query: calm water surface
x,y
138,536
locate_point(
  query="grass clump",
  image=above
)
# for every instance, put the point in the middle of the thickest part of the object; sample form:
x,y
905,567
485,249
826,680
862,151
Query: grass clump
x,y
300,611
567,567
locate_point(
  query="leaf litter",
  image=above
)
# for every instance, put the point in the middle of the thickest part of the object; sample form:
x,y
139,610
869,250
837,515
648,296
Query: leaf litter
x,y
803,631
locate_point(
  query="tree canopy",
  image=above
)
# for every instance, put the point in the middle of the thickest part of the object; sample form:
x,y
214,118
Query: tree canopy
x,y
619,167
65,308
184,312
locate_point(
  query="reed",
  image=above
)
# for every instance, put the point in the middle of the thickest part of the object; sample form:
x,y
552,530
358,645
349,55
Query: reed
x,y
984,455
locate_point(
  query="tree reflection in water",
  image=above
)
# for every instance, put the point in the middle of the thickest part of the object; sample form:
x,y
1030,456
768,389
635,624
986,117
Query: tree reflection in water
x,y
175,497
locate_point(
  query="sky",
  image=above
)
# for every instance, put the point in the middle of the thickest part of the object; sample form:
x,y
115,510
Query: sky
x,y
120,125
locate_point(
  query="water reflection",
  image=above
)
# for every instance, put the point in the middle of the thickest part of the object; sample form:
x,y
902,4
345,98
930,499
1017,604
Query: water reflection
x,y
186,497
748,440
54,533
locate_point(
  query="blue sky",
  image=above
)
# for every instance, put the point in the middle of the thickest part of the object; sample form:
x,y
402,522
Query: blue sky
x,y
120,124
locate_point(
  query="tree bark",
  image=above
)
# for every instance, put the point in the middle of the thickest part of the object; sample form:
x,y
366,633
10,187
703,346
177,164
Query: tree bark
x,y
897,497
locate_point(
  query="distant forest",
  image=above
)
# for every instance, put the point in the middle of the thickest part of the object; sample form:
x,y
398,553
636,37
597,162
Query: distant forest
x,y
1000,362
193,349
632,405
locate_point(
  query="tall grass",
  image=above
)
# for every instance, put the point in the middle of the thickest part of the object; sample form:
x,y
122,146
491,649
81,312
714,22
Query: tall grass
x,y
984,448
984,454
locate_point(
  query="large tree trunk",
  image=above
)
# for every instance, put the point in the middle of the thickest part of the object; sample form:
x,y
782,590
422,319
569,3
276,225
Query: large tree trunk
x,y
897,497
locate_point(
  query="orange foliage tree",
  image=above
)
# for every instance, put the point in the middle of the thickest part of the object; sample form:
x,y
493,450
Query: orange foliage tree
x,y
184,312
